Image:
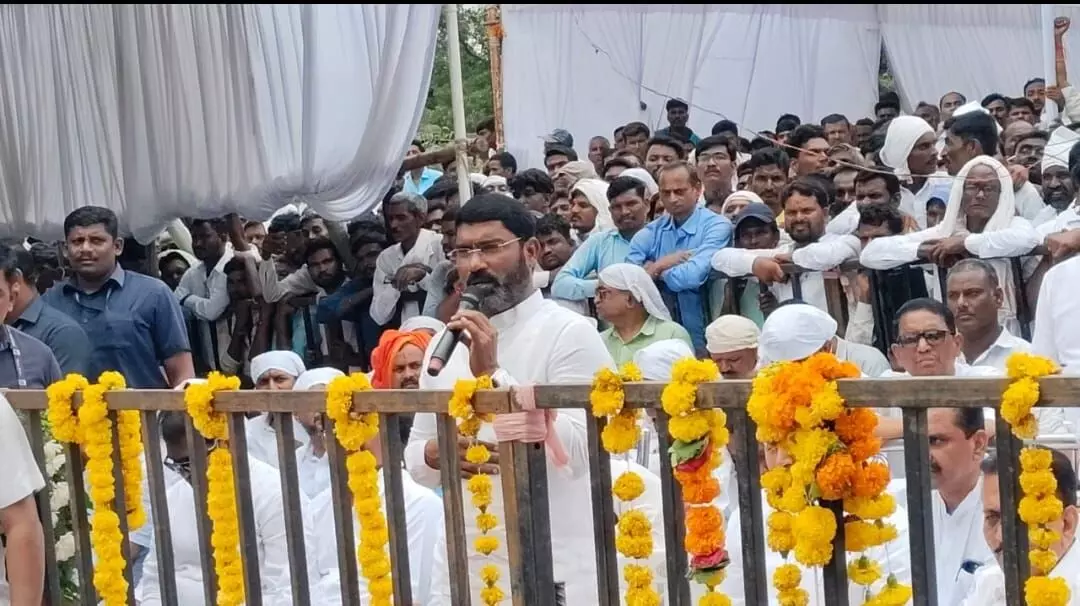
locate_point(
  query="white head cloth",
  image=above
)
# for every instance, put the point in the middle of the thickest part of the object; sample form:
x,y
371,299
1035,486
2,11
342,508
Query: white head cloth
x,y
955,223
477,179
595,191
655,360
743,194
1058,147
316,377
493,181
795,332
731,333
285,361
633,278
421,323
651,188
903,132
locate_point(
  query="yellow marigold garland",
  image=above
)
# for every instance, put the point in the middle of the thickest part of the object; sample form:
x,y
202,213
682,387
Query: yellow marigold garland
x,y
797,407
1040,504
91,428
620,434
353,432
220,493
698,440
480,485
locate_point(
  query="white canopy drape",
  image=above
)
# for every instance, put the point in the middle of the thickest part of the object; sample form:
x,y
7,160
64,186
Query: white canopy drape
x,y
160,111
589,68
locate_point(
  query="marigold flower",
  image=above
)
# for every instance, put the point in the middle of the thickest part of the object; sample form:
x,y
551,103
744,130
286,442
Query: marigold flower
x,y
870,479
835,475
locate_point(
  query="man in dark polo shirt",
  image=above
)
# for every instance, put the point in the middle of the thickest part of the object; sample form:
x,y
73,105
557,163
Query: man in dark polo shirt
x,y
33,316
134,323
25,362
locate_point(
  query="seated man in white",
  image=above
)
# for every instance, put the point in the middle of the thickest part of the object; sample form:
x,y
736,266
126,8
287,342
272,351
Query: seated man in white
x,y
893,557
975,297
267,502
989,589
796,331
312,464
272,371
424,527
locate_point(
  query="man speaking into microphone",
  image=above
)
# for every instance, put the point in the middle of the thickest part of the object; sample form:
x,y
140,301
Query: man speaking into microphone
x,y
518,338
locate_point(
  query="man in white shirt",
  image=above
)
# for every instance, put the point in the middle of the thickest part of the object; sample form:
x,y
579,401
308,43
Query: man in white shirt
x,y
927,345
1057,332
400,271
989,587
312,465
269,510
797,331
974,297
517,337
24,579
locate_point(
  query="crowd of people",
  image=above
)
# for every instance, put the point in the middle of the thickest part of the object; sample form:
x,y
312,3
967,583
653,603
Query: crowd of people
x,y
933,244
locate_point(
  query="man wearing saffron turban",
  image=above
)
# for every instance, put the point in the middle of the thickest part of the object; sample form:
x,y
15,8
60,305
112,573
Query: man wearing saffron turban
x,y
398,358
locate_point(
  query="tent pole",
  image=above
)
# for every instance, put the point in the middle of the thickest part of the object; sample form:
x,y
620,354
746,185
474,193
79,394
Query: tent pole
x,y
457,100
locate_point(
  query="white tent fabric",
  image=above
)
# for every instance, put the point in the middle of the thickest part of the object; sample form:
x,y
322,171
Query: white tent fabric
x,y
591,68
159,111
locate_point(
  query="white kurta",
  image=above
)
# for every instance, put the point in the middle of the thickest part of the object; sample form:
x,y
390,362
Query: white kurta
x,y
262,439
22,478
427,251
828,252
313,472
269,531
424,527
958,538
1057,332
989,587
893,557
538,342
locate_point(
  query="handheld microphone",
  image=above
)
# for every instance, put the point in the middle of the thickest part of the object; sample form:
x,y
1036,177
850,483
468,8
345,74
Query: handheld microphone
x,y
470,301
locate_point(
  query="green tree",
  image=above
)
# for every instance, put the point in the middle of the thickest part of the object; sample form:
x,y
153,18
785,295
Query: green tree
x,y
437,125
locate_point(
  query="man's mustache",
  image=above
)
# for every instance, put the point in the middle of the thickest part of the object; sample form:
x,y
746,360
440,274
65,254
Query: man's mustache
x,y
482,279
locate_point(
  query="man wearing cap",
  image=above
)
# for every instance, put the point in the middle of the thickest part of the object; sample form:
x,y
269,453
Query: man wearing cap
x,y
755,229
556,156
678,114
796,331
559,137
732,342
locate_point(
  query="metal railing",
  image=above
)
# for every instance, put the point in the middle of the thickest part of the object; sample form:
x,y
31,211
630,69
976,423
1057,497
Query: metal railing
x,y
523,471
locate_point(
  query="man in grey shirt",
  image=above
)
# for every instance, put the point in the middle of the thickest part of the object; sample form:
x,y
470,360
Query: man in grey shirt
x,y
25,362
31,315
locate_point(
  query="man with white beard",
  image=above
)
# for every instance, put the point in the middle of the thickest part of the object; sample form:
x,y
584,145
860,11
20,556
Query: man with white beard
x,y
516,337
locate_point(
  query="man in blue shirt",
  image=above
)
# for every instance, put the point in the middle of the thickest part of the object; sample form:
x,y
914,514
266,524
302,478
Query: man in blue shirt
x,y
577,279
134,323
418,180
677,248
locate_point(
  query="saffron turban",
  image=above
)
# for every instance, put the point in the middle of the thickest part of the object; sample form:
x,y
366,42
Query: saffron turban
x,y
390,345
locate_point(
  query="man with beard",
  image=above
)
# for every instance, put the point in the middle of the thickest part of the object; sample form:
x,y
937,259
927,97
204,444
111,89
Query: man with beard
x,y
338,340
352,302
806,206
516,337
396,364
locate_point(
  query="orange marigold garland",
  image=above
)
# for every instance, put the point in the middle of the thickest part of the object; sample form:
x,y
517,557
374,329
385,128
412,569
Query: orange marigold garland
x,y
620,434
798,408
1040,504
698,439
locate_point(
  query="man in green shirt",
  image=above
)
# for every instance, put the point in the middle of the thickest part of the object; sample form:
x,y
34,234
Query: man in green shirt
x,y
628,300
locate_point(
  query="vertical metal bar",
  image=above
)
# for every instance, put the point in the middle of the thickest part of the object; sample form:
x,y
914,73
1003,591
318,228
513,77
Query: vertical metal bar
x,y
120,504
457,554
393,456
751,522
834,577
197,453
245,510
43,500
603,513
1015,564
159,507
674,522
523,468
294,517
80,525
343,521
920,507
